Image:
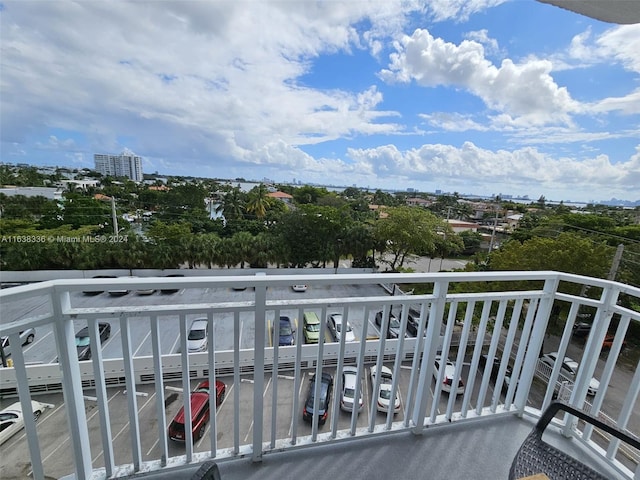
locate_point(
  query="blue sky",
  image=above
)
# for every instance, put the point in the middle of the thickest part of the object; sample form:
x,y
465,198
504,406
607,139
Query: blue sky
x,y
480,96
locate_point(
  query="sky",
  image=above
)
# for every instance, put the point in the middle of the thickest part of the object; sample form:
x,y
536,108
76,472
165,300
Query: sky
x,y
485,97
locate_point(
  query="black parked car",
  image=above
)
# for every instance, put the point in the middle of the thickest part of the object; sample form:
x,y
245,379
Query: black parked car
x,y
495,368
413,322
97,292
326,386
82,340
393,327
581,330
171,289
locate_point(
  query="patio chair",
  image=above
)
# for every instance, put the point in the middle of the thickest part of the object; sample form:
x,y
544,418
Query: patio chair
x,y
537,457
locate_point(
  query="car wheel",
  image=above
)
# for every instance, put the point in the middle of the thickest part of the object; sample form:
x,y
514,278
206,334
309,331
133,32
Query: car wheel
x,y
200,432
36,415
30,338
222,397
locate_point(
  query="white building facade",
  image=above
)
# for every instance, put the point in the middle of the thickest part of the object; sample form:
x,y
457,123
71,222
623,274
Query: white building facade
x,y
127,164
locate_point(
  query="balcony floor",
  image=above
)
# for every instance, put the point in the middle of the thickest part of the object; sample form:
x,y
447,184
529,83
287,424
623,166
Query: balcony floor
x,y
479,451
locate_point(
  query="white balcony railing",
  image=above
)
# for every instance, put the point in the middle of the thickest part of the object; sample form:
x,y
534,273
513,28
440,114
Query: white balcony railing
x,y
509,315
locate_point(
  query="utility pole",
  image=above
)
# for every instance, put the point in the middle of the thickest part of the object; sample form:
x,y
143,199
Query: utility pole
x,y
493,232
114,216
445,239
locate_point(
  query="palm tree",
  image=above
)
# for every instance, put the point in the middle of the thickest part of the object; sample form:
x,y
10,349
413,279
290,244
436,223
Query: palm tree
x,y
233,204
258,202
210,243
242,243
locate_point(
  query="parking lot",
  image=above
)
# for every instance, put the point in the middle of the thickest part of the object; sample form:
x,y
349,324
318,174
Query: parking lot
x,y
43,349
55,440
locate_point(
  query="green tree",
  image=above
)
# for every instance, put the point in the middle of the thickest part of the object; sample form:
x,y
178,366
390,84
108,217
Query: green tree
x,y
232,206
471,241
569,252
407,231
308,194
358,241
258,202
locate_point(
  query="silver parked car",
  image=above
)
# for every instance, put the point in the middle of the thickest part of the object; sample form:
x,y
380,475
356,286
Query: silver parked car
x,y
198,335
349,381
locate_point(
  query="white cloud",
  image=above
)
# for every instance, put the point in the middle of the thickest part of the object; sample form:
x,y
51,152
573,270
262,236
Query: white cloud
x,y
453,122
186,78
620,44
471,165
482,37
524,91
459,10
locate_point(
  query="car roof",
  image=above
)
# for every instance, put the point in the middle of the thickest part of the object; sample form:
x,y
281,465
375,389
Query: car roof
x,y
349,380
198,400
326,377
84,331
199,324
311,317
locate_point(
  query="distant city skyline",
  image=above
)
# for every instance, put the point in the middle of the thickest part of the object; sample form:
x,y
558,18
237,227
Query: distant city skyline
x,y
297,182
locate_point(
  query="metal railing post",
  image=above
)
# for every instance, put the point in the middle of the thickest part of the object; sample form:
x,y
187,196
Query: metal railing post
x,y
72,385
258,370
538,330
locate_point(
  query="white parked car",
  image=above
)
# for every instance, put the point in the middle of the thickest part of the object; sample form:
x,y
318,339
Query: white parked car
x,y
447,380
349,382
335,325
198,335
569,369
383,396
12,420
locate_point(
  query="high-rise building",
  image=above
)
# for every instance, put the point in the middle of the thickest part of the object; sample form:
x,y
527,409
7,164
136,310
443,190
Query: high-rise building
x,y
127,164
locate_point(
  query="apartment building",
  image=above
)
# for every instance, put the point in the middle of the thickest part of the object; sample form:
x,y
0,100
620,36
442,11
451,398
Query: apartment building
x,y
127,164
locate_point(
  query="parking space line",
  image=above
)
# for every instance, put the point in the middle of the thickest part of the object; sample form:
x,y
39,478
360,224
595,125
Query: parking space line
x,y
40,421
246,438
175,345
293,417
68,437
206,431
113,439
142,343
152,447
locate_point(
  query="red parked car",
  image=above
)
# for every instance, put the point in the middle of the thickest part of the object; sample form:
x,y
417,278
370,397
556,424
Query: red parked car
x,y
200,412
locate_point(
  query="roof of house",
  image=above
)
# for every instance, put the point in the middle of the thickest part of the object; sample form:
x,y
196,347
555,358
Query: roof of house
x,y
461,223
101,197
280,195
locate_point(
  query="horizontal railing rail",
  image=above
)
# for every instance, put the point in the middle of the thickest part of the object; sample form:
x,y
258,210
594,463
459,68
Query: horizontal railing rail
x,y
468,318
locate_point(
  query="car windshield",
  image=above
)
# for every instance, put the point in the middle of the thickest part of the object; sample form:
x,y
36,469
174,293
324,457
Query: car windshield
x,y
313,327
285,329
339,328
394,323
196,334
349,392
82,341
384,393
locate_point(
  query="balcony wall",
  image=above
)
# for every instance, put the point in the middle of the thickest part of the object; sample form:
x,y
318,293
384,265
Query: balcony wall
x,y
509,315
